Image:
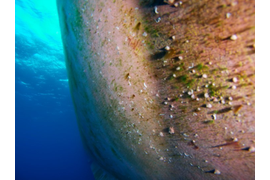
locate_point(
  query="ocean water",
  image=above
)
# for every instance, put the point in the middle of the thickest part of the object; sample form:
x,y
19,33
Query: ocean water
x,y
47,140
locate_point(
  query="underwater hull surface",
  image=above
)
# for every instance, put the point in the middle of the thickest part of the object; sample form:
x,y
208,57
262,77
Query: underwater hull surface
x,y
163,91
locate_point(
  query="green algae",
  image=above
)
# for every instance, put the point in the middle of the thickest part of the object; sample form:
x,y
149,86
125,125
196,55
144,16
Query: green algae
x,y
151,30
208,122
183,78
201,67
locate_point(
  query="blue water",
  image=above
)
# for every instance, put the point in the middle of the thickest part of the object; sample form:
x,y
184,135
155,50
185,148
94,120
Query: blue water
x,y
47,140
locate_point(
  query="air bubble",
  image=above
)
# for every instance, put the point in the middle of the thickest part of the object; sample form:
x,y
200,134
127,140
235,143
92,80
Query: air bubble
x,y
209,105
233,37
235,79
228,15
217,171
